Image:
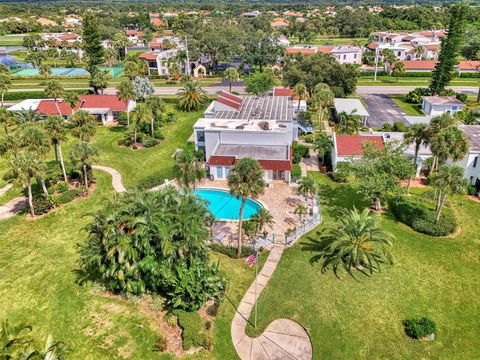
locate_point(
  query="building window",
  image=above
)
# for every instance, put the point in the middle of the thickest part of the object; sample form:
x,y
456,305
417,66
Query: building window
x,y
227,171
399,53
471,179
354,56
344,57
219,172
200,136
475,161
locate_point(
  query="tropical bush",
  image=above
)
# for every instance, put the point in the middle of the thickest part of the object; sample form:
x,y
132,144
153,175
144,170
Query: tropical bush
x,y
42,204
150,142
342,173
231,251
153,242
192,330
299,151
415,96
420,217
419,328
472,190
66,196
296,172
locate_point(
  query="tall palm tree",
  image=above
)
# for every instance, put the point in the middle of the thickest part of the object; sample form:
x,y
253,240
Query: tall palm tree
x,y
355,242
26,116
437,124
349,124
5,84
419,51
57,131
83,154
300,91
157,106
300,211
448,180
24,165
306,186
188,169
83,125
263,218
322,98
323,145
45,71
54,89
245,180
191,96
110,56
416,134
126,93
71,99
231,75
449,143
141,114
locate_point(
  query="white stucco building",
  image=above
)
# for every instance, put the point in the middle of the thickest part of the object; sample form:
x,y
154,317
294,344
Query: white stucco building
x,y
471,162
235,127
438,105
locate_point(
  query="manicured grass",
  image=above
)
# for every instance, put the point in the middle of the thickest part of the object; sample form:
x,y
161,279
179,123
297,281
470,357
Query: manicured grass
x,y
411,81
322,40
11,40
409,109
347,318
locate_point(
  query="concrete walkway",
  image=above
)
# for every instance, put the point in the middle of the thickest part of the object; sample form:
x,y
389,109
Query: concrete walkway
x,y
5,189
13,207
116,177
282,339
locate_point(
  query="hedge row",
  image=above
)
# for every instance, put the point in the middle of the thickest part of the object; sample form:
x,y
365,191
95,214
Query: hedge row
x,y
421,217
22,95
231,251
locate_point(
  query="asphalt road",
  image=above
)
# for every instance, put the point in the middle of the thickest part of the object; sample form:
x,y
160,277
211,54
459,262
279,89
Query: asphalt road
x,y
382,110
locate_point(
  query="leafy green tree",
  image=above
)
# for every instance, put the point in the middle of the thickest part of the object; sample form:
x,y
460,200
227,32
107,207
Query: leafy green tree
x,y
398,69
245,181
349,124
24,166
191,96
355,242
30,41
57,131
83,125
120,41
83,154
125,92
54,89
322,98
134,67
259,83
449,180
5,84
300,92
157,106
99,80
141,114
92,47
450,47
45,71
380,171
260,50
110,56
323,145
231,75
188,169
154,242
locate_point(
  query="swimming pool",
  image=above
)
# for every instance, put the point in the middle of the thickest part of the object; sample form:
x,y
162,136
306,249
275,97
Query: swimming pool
x,y
225,206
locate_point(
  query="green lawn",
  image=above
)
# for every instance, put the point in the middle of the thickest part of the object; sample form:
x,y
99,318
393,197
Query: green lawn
x,y
411,81
362,319
11,40
409,109
324,40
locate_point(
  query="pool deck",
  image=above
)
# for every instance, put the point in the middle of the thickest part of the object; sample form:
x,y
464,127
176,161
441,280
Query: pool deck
x,y
279,198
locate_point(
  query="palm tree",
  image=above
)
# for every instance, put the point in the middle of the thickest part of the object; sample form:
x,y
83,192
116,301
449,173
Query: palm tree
x,y
349,124
416,134
5,84
437,124
141,114
300,91
99,81
355,242
83,154
322,98
230,74
157,106
300,211
419,51
57,131
188,169
245,180
398,69
110,56
120,41
71,99
306,186
45,71
24,166
126,93
262,219
26,116
83,125
7,118
191,96
448,180
449,143
323,144
54,89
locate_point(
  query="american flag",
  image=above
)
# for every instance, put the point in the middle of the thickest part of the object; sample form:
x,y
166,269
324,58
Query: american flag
x,y
251,259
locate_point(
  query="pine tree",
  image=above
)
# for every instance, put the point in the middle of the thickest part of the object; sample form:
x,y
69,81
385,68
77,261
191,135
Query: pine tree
x,y
448,58
92,46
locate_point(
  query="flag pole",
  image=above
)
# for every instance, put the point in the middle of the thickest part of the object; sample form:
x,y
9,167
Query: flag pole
x,y
256,275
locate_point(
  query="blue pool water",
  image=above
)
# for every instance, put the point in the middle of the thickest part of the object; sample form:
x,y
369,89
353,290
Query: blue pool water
x,y
225,206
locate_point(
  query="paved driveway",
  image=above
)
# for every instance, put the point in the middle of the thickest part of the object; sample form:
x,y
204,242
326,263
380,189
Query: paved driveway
x,y
382,110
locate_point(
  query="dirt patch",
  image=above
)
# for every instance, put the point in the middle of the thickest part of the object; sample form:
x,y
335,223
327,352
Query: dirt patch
x,y
474,198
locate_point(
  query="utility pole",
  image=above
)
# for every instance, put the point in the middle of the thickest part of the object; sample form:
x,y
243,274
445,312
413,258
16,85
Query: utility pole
x,y
187,65
376,63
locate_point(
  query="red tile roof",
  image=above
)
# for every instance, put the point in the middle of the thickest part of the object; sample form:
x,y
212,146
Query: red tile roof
x,y
419,64
155,45
303,51
408,38
469,65
352,145
221,160
432,47
325,49
232,97
279,23
285,165
230,103
133,33
48,107
67,37
372,46
148,56
103,101
278,91
157,22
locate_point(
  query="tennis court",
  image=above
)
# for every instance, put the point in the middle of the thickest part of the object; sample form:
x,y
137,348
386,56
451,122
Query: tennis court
x,y
62,71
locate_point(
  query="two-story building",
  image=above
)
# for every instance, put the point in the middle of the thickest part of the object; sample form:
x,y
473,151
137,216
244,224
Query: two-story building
x,y
471,162
235,127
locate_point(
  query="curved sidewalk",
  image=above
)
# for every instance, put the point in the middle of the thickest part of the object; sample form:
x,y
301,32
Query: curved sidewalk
x,y
116,177
282,339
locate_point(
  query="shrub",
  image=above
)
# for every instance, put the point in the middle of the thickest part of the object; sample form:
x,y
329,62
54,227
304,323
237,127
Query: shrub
x,y
231,251
308,138
296,172
421,218
42,204
62,186
472,190
149,182
157,134
161,344
122,118
342,172
399,127
66,196
299,151
125,141
461,96
387,127
415,96
192,326
150,142
419,328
